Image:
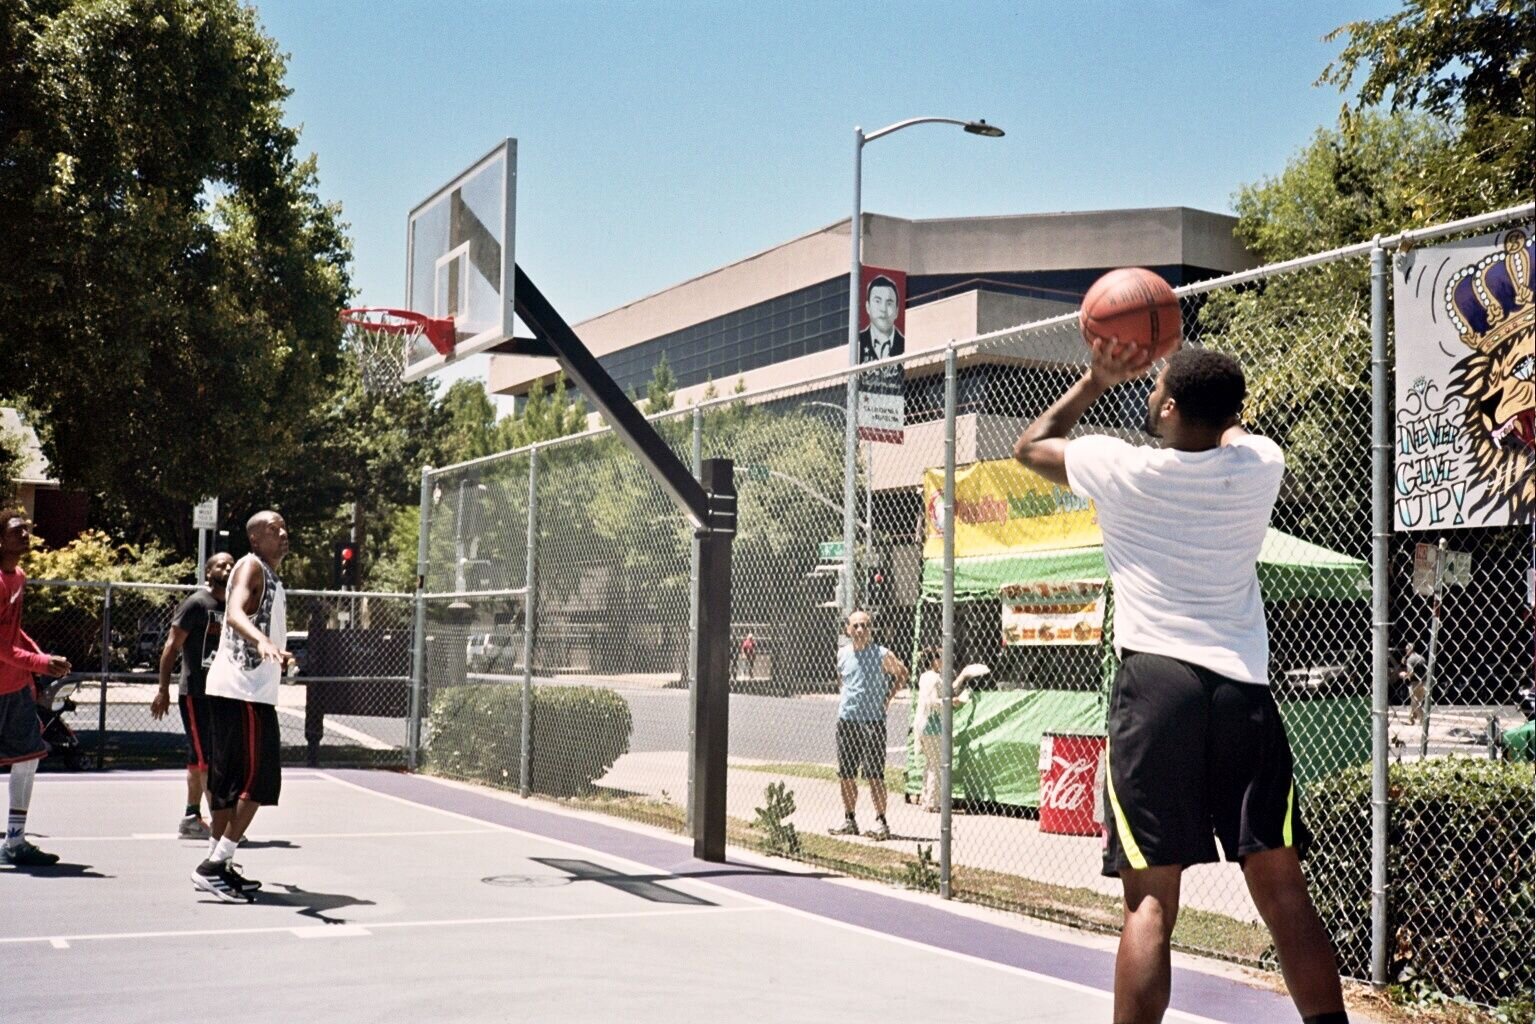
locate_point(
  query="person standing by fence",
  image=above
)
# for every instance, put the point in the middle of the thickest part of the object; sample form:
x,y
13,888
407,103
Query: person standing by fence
x,y
21,734
1197,750
194,635
244,771
871,676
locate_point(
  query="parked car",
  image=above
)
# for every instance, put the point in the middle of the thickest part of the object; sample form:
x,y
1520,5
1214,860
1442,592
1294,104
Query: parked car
x,y
491,652
298,646
148,645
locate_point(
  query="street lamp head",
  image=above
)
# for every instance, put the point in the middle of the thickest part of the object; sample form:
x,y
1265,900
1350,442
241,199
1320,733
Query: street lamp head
x,y
981,127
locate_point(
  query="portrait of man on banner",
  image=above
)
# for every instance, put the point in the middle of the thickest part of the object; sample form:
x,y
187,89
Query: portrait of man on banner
x,y
882,334
1466,399
884,318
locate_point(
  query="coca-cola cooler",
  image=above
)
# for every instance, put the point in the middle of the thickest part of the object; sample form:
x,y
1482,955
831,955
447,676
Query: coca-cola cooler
x,y
1071,774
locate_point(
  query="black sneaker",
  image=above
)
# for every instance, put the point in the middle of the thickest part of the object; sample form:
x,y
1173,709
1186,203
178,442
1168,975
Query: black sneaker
x,y
240,882
25,855
214,878
849,828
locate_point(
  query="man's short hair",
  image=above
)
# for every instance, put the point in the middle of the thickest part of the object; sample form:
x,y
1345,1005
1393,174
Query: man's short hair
x,y
1208,386
880,281
258,520
214,558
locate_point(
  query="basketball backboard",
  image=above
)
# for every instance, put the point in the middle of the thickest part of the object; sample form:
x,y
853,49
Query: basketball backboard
x,y
459,259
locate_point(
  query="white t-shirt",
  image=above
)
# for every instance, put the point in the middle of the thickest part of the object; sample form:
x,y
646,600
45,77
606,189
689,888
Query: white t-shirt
x,y
1182,532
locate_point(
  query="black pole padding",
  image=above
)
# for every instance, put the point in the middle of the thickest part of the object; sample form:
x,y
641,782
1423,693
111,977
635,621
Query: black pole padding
x,y
712,691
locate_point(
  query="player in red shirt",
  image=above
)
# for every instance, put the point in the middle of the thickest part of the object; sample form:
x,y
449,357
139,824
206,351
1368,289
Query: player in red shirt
x,y
21,735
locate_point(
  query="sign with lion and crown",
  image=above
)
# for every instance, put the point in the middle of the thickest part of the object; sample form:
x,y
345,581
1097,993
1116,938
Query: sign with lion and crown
x,y
1466,402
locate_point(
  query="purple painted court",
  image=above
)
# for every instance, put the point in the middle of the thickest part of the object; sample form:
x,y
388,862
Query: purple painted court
x,y
396,897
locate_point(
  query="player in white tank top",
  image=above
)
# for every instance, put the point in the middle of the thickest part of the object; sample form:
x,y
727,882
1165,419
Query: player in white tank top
x,y
244,772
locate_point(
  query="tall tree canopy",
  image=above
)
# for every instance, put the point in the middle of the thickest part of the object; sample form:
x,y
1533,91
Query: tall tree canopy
x,y
172,275
1468,64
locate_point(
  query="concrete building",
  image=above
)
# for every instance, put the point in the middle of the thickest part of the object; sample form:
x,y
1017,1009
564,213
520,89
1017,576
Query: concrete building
x,y
781,316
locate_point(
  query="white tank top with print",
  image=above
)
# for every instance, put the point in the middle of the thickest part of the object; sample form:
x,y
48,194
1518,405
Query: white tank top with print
x,y
238,670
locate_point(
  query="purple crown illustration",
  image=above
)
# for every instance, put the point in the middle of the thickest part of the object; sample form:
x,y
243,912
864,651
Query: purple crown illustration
x,y
1491,299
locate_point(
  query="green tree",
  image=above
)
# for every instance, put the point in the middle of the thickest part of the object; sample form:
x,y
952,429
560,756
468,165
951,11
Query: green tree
x,y
660,393
172,276
1468,64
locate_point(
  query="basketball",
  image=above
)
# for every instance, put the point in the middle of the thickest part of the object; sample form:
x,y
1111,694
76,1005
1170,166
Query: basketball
x,y
1134,305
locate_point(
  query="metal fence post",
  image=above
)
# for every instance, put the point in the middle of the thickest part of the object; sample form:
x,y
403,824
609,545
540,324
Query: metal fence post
x,y
693,625
1381,532
106,667
419,633
531,590
947,666
712,704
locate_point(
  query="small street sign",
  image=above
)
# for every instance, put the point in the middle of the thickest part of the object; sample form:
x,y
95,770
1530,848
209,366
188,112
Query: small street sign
x,y
205,514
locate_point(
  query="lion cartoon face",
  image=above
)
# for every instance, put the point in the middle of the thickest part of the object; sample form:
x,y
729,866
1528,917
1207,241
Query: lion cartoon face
x,y
1491,304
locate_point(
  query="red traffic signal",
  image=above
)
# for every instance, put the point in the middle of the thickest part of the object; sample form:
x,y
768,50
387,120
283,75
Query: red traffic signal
x,y
344,567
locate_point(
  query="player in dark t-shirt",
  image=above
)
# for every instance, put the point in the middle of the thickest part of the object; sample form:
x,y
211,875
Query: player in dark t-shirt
x,y
194,635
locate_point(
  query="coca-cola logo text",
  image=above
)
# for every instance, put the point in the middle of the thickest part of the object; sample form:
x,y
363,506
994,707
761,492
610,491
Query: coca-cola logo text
x,y
1070,786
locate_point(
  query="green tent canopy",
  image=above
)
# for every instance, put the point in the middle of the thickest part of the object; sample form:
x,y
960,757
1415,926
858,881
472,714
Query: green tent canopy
x,y
1289,568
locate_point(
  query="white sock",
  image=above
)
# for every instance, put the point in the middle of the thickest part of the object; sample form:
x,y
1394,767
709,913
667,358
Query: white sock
x,y
223,850
213,844
22,774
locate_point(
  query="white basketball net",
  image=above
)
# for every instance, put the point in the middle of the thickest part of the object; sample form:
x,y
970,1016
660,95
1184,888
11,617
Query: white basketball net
x,y
379,342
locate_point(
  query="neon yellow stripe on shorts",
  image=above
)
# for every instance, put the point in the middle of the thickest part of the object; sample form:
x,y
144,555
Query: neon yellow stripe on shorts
x,y
1123,827
1290,813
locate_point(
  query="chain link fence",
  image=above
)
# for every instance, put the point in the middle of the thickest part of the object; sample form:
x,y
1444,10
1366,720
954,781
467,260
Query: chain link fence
x,y
558,632
346,705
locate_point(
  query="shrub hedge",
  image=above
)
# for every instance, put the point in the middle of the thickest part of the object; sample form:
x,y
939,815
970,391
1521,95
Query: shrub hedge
x,y
576,735
1459,874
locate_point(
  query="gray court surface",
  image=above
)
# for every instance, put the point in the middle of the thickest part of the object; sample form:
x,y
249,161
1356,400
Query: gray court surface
x,y
391,897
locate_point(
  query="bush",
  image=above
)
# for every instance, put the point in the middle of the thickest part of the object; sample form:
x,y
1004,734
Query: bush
x,y
1459,874
576,735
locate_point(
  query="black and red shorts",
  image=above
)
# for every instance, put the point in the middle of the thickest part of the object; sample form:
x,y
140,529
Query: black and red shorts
x,y
1194,759
244,758
196,721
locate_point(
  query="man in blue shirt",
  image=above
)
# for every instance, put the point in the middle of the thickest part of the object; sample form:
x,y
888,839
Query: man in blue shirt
x,y
871,676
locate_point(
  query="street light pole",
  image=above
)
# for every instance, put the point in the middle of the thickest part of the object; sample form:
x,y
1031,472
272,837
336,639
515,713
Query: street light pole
x,y
850,425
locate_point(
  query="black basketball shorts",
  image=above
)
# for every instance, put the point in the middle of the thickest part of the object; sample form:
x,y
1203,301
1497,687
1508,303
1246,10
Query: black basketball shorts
x,y
860,749
1194,758
243,762
196,721
21,733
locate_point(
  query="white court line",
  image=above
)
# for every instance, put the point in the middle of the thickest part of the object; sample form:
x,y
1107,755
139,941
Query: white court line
x,y
1048,979
366,741
55,940
286,835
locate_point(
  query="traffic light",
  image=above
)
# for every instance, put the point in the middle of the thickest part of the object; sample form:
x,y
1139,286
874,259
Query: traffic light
x,y
346,568
878,588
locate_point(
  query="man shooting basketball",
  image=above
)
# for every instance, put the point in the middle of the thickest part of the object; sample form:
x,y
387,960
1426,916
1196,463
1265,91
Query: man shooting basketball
x,y
1197,751
244,774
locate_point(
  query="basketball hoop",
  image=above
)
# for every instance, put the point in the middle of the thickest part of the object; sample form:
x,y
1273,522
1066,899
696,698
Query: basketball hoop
x,y
380,339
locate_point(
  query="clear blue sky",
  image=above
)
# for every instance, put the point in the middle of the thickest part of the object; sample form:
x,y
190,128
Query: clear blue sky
x,y
658,140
